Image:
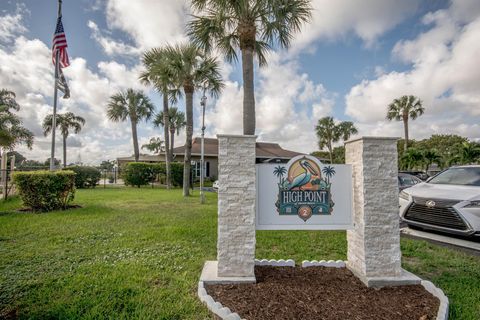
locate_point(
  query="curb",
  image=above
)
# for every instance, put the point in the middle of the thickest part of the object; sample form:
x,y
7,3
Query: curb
x,y
226,314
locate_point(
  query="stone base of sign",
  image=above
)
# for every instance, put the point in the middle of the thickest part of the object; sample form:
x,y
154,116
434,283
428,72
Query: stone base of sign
x,y
404,279
210,275
225,313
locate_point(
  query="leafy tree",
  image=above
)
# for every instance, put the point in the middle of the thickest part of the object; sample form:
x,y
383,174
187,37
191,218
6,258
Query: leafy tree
x,y
56,162
107,165
446,145
254,27
329,132
192,69
19,158
404,108
176,120
431,156
133,105
159,74
64,122
468,152
155,145
411,159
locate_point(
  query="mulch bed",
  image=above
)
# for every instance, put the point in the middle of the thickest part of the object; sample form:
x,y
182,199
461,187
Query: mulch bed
x,y
322,293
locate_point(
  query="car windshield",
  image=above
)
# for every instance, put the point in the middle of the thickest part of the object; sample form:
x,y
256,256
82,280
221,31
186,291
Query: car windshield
x,y
467,176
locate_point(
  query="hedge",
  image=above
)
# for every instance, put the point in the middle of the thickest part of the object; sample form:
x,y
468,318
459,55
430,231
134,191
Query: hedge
x,y
45,190
85,177
140,173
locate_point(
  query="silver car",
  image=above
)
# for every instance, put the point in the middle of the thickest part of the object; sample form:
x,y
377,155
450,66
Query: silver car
x,y
448,202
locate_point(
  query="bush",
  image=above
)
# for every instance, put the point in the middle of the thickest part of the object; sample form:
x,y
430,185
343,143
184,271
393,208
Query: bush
x,y
45,190
141,174
85,177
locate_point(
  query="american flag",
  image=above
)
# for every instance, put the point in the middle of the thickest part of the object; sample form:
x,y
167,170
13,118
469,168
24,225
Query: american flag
x,y
60,45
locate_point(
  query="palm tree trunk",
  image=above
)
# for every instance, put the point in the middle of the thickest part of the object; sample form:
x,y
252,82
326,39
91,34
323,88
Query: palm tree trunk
x,y
64,151
135,140
405,127
248,91
172,140
330,152
188,89
165,132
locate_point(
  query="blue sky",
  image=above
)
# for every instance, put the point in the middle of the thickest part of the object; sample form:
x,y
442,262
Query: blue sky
x,y
349,62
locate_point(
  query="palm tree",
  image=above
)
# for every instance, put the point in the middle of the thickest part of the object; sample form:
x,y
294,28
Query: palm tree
x,y
131,104
279,171
155,145
412,158
431,156
404,108
254,27
468,152
158,74
192,68
328,132
176,123
64,122
329,172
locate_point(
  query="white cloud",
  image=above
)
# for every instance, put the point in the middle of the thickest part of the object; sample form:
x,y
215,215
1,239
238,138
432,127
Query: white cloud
x,y
367,19
149,23
109,45
11,25
444,74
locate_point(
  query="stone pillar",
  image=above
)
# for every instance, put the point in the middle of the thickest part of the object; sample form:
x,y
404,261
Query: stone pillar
x,y
374,243
236,206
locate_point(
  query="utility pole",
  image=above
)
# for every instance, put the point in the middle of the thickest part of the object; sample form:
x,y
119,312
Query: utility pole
x,y
203,103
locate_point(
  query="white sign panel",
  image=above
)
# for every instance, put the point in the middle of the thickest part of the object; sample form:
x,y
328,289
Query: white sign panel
x,y
304,194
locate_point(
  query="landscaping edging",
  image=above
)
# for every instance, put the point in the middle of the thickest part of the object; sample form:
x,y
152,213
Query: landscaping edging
x,y
225,313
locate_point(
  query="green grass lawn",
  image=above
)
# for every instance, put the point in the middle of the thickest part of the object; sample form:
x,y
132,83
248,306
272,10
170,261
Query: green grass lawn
x,y
137,254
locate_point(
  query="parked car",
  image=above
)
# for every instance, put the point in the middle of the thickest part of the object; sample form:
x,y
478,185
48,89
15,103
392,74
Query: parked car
x,y
215,185
407,181
448,202
419,174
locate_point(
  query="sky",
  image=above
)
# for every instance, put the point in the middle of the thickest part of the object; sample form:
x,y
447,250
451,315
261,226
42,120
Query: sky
x,y
349,62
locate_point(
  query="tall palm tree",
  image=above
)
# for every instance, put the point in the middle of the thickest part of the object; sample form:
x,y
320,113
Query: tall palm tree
x,y
155,145
192,69
404,108
64,122
158,74
329,132
176,123
254,27
133,105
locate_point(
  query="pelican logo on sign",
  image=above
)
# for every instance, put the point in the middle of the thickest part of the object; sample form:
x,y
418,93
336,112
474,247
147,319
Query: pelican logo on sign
x,y
304,191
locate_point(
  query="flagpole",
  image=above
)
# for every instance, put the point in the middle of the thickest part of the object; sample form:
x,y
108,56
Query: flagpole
x,y
55,98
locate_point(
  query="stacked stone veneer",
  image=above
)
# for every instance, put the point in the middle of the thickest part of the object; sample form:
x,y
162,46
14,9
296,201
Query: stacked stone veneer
x,y
374,243
236,206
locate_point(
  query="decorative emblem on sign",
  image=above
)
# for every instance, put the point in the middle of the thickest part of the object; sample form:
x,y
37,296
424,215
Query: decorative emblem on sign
x,y
304,191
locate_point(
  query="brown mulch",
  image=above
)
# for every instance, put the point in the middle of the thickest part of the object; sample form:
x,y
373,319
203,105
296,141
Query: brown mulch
x,y
322,293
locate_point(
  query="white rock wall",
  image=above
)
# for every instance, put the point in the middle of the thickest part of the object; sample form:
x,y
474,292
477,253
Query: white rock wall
x,y
374,243
236,206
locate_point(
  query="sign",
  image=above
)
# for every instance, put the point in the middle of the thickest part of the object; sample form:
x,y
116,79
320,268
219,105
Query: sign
x,y
304,194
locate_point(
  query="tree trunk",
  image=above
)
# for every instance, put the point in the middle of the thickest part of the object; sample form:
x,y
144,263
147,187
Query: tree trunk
x,y
135,139
172,140
330,152
248,91
188,89
166,123
64,151
405,127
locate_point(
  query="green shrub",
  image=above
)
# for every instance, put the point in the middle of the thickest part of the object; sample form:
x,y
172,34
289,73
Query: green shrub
x,y
45,190
85,177
141,174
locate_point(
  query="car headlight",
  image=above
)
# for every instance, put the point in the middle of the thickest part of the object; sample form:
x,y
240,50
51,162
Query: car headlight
x,y
404,195
473,204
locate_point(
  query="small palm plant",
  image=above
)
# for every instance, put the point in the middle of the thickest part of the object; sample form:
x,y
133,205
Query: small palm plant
x,y
133,105
155,145
65,122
